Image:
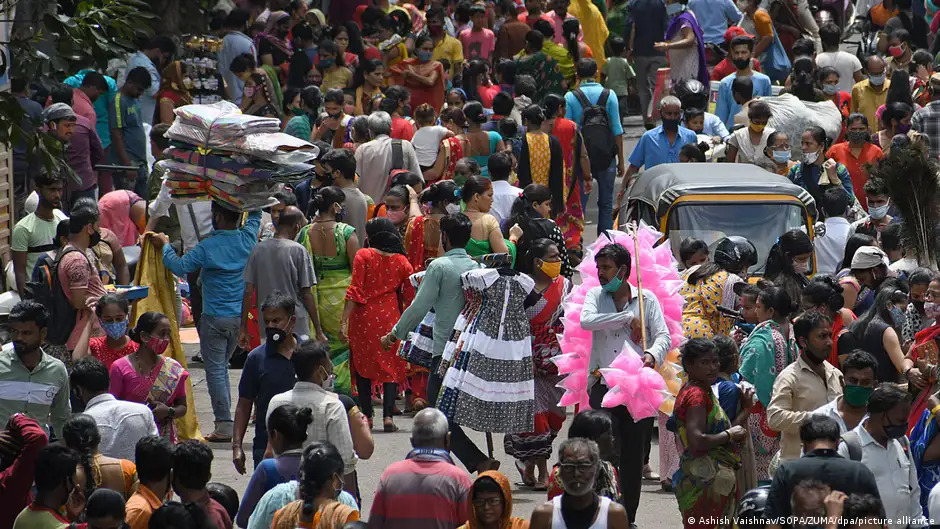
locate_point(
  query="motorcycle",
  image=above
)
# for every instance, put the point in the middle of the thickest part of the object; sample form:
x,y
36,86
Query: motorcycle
x,y
836,11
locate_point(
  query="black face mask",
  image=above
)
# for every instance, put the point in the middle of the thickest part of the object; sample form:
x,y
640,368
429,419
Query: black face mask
x,y
94,239
895,431
919,305
671,124
47,204
275,335
741,64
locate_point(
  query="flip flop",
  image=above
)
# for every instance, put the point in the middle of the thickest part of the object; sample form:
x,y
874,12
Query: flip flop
x,y
520,466
218,438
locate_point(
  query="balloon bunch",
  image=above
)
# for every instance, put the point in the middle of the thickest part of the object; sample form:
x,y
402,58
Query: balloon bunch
x,y
642,390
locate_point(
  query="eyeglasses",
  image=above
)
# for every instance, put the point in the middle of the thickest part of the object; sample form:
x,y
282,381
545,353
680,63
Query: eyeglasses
x,y
577,467
487,502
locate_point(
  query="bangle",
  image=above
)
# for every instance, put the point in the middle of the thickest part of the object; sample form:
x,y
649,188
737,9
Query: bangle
x,y
935,410
729,435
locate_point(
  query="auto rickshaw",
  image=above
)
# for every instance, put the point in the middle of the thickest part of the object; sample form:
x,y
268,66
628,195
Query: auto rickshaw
x,y
709,201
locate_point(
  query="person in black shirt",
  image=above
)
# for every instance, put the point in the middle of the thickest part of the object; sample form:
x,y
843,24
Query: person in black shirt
x,y
821,462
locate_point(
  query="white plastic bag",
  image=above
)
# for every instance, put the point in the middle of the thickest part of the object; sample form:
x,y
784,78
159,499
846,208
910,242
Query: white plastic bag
x,y
791,115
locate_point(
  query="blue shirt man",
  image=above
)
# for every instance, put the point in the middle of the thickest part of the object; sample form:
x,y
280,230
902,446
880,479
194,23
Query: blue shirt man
x,y
654,147
266,373
148,100
235,43
102,126
653,21
713,127
714,17
727,107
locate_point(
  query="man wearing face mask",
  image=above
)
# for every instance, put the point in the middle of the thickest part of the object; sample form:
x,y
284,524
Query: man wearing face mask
x,y
871,93
880,443
858,382
878,202
927,120
283,265
727,105
221,260
314,389
659,145
806,384
580,505
611,312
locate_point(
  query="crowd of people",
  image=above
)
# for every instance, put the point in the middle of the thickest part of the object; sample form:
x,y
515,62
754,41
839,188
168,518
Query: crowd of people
x,y
430,256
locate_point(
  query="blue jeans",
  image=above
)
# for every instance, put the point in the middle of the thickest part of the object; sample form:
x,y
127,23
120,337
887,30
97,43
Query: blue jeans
x,y
218,337
605,197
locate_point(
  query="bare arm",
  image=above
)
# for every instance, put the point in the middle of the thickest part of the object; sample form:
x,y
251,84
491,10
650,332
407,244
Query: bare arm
x,y
82,347
310,303
542,517
242,416
699,441
731,153
19,272
119,262
363,443
892,345
762,45
268,59
117,142
497,243
166,111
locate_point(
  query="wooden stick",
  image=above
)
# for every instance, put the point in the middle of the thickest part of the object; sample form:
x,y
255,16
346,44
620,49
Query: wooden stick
x,y
639,282
489,444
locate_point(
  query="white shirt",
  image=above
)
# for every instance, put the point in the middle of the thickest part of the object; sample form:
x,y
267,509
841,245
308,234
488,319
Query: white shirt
x,y
195,216
831,409
905,264
895,475
845,63
611,330
933,503
330,422
427,142
121,424
374,163
504,194
830,248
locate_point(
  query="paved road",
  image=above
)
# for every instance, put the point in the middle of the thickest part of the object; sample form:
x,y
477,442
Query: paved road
x,y
657,509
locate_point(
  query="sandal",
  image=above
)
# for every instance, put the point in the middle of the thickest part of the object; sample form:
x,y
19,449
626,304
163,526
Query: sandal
x,y
388,426
526,481
419,404
218,438
649,475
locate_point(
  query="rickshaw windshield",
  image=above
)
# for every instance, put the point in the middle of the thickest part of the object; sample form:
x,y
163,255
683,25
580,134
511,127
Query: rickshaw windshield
x,y
761,223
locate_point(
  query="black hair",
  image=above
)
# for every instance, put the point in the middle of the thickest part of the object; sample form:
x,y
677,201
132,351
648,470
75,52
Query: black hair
x,y
727,352
536,249
808,321
399,193
175,515
823,73
824,291
334,95
225,495
154,457
779,299
424,114
693,152
164,43
545,28
158,135
341,160
105,503
112,299
689,247
61,230
84,212
830,34
741,40
779,266
55,464
694,349
803,46
18,85
862,507
29,310
570,29
309,355
835,201
146,323
506,69
531,221
744,87
617,253
243,63
356,45
475,185
45,178
80,433
237,19
440,193
886,396
819,427
291,422
381,234
365,66
508,128
455,115
324,198
876,186
139,78
456,228
856,116
303,32
891,237
89,373
500,166
921,276
533,116
691,113
920,58
586,68
895,111
285,196
534,40
525,86
474,112
472,72
311,98
61,93
591,424
192,464
472,164
852,245
552,103
888,295
859,360
484,484
617,45
321,461
280,301
406,179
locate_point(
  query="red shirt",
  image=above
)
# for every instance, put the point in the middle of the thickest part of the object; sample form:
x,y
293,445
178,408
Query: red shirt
x,y
841,153
83,106
100,350
402,129
726,68
16,481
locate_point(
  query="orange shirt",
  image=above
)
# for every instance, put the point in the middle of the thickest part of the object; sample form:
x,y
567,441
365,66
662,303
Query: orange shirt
x,y
871,153
140,508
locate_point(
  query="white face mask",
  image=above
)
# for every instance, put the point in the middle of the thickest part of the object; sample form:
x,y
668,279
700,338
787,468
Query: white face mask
x,y
879,212
452,209
810,158
801,267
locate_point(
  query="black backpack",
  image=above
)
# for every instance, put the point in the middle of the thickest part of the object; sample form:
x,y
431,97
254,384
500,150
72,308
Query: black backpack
x,y
62,315
595,129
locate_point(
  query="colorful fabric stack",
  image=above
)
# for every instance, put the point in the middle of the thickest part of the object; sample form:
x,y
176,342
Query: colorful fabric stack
x,y
235,159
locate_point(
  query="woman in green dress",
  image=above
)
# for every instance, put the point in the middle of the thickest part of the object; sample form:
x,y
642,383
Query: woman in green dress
x,y
485,236
333,245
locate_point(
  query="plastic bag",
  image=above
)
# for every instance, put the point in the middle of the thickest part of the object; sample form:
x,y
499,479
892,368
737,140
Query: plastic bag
x,y
791,115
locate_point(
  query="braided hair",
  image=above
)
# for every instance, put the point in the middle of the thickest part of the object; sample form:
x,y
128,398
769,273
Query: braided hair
x,y
80,433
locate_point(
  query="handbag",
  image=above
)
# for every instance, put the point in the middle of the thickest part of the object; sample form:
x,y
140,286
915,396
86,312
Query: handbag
x,y
774,62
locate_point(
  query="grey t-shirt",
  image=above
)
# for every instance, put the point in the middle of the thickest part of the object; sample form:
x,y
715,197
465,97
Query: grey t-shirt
x,y
280,264
357,207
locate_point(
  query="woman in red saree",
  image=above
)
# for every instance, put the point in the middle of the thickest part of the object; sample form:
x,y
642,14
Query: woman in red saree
x,y
924,353
421,75
571,220
452,149
173,92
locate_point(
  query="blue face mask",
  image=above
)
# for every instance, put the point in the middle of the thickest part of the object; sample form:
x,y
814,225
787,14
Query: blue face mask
x,y
614,284
116,329
674,8
781,156
425,56
877,80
